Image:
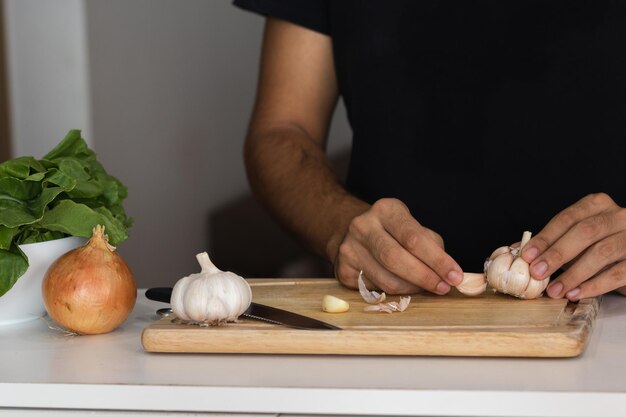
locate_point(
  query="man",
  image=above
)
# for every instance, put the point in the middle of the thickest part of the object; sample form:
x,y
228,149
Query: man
x,y
472,122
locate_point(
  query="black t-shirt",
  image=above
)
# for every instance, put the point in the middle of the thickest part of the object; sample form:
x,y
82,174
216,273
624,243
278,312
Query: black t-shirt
x,y
486,118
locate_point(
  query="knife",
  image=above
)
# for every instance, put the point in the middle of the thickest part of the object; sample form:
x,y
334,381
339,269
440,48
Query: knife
x,y
258,312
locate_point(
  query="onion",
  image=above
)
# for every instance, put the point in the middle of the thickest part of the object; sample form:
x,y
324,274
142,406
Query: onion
x,y
91,289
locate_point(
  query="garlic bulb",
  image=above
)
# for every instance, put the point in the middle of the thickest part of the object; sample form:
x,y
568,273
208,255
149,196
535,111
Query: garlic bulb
x,y
508,273
211,297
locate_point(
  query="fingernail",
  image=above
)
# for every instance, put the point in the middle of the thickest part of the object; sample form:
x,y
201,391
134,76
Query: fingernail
x,y
531,253
573,294
539,269
455,277
555,289
442,288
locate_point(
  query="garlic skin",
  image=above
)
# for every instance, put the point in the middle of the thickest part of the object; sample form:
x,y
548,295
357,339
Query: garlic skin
x,y
211,297
508,273
376,300
370,297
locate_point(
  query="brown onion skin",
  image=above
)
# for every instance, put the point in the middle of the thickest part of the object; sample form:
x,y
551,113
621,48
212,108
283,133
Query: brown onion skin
x,y
91,289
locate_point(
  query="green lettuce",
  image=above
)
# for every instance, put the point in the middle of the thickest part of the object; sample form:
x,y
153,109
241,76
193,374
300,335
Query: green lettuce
x,y
66,193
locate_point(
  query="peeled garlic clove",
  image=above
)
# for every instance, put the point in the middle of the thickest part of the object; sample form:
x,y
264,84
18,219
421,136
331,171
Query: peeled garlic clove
x,y
497,270
535,288
332,304
472,284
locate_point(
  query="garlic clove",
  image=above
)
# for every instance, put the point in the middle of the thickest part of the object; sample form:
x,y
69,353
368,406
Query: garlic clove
x,y
472,284
501,250
508,273
516,280
332,304
176,299
535,288
497,269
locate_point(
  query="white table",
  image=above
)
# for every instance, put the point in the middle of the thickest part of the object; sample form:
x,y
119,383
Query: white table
x,y
41,368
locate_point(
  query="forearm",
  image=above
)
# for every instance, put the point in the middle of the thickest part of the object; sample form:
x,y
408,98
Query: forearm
x,y
290,174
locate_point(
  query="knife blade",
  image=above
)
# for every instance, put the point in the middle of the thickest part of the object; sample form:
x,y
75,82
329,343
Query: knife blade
x,y
258,312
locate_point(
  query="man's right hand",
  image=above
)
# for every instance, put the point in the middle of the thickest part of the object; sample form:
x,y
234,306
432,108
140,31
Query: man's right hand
x,y
395,253
289,171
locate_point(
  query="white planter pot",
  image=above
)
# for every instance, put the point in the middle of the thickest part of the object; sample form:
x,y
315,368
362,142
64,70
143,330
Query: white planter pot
x,y
24,301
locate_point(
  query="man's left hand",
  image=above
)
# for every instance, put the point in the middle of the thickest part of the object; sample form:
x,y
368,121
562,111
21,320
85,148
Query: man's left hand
x,y
588,240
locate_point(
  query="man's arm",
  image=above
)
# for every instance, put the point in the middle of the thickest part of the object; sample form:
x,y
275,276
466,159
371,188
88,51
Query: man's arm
x,y
285,149
289,172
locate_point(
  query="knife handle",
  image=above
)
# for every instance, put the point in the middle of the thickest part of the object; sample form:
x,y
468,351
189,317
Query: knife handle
x,y
163,294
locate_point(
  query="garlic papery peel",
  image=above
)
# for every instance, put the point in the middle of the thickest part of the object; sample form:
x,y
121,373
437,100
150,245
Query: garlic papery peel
x,y
473,284
508,273
404,303
390,307
370,297
376,299
210,297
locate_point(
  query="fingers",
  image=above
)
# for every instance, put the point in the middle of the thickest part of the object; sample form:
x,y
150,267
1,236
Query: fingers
x,y
588,240
395,252
586,207
596,260
580,237
613,278
570,232
417,242
375,276
436,237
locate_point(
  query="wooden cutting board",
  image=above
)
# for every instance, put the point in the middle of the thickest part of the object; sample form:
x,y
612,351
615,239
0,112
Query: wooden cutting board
x,y
452,325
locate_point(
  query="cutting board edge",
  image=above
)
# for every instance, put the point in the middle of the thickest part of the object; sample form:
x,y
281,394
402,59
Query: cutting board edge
x,y
581,322
420,343
568,339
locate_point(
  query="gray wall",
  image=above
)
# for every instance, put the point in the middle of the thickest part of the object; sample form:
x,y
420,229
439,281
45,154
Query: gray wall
x,y
172,85
48,76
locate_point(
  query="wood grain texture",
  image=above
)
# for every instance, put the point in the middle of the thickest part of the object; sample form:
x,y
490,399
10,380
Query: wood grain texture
x,y
452,325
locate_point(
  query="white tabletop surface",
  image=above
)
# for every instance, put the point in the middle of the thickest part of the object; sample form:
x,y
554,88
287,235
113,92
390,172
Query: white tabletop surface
x,y
43,368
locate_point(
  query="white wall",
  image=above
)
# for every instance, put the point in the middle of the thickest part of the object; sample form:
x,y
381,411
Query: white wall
x,y
47,73
171,86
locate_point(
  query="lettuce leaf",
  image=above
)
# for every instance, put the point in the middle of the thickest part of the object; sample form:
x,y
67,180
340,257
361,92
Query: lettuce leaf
x,y
66,193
